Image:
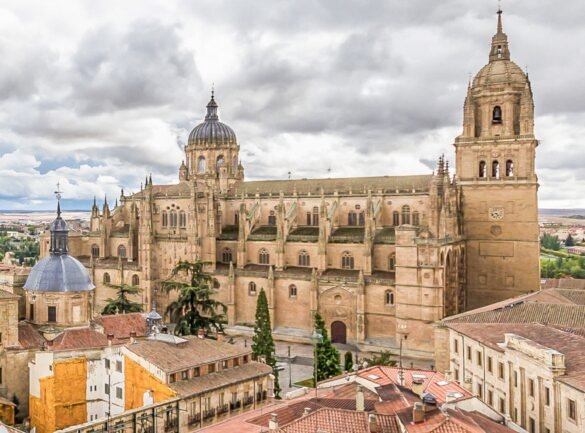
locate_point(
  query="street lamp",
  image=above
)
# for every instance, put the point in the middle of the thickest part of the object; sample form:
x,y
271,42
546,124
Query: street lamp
x,y
289,369
317,337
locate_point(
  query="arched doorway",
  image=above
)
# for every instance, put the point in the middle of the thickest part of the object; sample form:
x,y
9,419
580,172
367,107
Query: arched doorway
x,y
338,332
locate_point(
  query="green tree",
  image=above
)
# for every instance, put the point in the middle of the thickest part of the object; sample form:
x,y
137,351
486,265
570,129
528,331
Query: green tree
x,y
348,364
121,304
550,242
569,242
262,342
194,307
327,354
384,358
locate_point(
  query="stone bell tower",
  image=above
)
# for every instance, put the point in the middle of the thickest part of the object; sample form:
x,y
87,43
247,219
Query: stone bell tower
x,y
495,167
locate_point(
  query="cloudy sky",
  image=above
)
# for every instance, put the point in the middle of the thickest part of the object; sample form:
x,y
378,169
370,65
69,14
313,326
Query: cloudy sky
x,y
97,94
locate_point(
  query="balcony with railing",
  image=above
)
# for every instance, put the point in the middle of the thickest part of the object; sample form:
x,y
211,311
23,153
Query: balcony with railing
x,y
248,400
194,418
235,405
224,408
208,414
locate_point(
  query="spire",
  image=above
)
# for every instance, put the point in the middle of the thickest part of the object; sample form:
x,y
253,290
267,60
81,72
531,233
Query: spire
x,y
499,50
212,108
58,209
59,230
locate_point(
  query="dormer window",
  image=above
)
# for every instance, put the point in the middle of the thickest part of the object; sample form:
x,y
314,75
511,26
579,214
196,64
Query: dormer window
x,y
497,114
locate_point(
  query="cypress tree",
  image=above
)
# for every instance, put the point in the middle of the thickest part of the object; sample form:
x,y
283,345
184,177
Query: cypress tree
x,y
327,354
262,342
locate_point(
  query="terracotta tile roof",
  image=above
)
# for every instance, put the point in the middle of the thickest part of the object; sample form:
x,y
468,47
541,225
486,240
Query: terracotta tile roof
x,y
576,296
29,337
433,382
121,325
222,378
451,421
79,339
193,352
330,421
567,343
348,391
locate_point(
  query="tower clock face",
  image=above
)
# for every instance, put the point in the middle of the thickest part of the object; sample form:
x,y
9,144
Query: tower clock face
x,y
496,213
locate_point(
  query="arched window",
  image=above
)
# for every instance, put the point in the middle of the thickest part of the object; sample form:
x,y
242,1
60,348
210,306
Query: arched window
x,y
122,251
497,115
482,169
219,162
315,216
304,258
165,219
135,280
389,297
405,214
362,219
347,260
182,219
292,291
173,218
272,218
392,262
95,251
496,169
106,278
395,218
201,165
415,218
509,168
263,257
226,255
351,218
252,288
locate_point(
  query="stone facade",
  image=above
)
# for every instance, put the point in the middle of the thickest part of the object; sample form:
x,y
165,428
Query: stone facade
x,y
380,257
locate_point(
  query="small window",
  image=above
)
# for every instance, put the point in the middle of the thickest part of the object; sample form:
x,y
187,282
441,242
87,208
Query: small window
x,y
490,364
347,260
304,258
468,353
122,251
119,366
52,314
456,346
392,262
292,291
272,218
479,358
502,407
405,214
119,394
531,387
245,359
308,218
395,218
135,280
31,311
263,257
226,256
201,165
95,251
351,218
196,372
490,397
184,374
107,363
389,297
531,425
500,370
182,219
509,168
224,364
515,379
107,389
315,216
496,169
482,169
497,114
480,390
219,162
106,278
456,375
172,378
415,218
173,218
236,362
252,288
237,218
362,219
211,368
572,409
165,219
547,396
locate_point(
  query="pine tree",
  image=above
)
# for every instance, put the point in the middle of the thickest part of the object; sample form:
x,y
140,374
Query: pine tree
x,y
569,242
263,344
327,354
348,361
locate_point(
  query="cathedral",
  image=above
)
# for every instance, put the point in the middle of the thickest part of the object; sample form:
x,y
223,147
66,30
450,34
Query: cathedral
x,y
381,258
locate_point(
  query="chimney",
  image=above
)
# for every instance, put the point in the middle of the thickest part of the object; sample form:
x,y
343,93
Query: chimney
x,y
418,413
359,399
220,336
132,337
110,338
273,423
373,423
49,344
201,333
417,386
306,411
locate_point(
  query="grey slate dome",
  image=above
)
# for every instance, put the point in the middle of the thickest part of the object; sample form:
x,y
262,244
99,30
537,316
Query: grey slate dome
x,y
212,131
59,272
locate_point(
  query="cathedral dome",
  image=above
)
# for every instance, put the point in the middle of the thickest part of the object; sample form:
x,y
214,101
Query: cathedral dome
x,y
500,72
58,273
212,131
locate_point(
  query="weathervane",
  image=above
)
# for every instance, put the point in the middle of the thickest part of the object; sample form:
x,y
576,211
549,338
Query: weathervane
x,y
58,193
